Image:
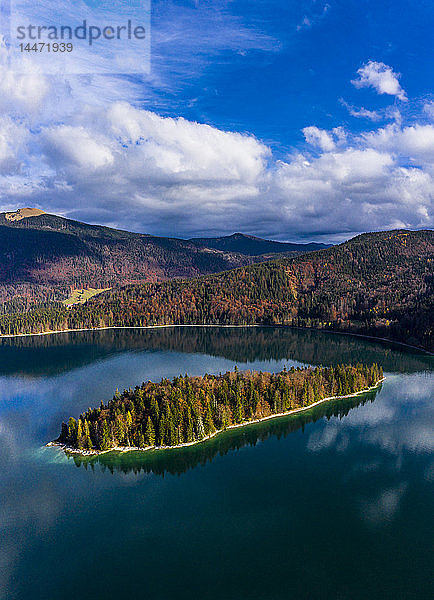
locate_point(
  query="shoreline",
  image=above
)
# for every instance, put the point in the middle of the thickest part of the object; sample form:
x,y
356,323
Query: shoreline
x,y
333,331
71,450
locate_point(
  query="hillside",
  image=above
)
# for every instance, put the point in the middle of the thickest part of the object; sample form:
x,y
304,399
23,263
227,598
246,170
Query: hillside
x,y
43,257
377,283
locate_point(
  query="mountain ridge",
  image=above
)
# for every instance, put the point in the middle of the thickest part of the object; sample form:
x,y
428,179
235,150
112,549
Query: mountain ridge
x,y
44,256
379,284
255,246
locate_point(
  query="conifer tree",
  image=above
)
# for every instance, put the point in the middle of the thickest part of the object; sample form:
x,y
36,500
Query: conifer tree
x,y
87,443
149,433
79,434
105,436
72,431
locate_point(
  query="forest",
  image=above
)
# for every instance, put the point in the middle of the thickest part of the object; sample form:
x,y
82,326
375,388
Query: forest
x,y
177,463
190,409
44,257
378,284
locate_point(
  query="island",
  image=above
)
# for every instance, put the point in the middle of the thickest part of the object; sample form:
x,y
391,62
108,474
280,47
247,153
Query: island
x,y
188,410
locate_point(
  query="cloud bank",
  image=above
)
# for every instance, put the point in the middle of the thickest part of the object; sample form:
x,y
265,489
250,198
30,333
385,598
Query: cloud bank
x,y
72,152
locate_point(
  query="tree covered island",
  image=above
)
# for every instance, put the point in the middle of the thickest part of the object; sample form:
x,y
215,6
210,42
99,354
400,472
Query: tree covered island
x,y
187,409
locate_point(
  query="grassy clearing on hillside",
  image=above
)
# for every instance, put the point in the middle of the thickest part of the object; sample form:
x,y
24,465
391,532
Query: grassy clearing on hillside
x,y
81,296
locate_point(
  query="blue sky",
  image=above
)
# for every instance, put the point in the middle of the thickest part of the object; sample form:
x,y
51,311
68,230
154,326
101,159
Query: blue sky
x,y
291,73
300,120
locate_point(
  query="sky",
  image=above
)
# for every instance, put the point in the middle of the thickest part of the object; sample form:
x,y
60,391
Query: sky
x,y
301,120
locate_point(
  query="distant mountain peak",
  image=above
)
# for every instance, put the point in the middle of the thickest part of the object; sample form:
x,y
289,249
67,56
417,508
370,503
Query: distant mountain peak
x,y
251,245
241,236
24,213
43,256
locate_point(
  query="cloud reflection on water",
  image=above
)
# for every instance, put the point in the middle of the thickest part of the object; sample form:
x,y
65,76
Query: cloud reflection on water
x,y
398,425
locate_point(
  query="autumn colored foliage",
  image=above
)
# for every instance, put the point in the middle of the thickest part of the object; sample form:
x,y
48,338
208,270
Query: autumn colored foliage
x,y
188,409
377,284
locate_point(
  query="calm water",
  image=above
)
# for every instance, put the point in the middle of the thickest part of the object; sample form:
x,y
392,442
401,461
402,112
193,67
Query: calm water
x,y
332,504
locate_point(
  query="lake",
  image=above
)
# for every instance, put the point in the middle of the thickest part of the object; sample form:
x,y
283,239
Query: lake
x,y
334,503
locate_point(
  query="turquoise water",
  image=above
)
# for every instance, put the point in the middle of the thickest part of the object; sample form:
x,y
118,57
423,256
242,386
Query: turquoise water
x,y
335,503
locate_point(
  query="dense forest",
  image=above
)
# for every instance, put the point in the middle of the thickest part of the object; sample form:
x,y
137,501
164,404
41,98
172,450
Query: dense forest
x,y
177,463
189,409
43,256
377,284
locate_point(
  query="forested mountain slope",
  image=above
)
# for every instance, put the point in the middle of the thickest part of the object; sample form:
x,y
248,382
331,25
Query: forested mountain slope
x,y
377,283
43,256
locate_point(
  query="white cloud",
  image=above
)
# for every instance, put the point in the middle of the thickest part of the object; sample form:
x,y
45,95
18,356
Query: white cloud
x,y
429,109
381,77
318,137
86,156
352,186
413,143
361,113
24,91
171,176
133,165
157,160
189,151
76,148
13,138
